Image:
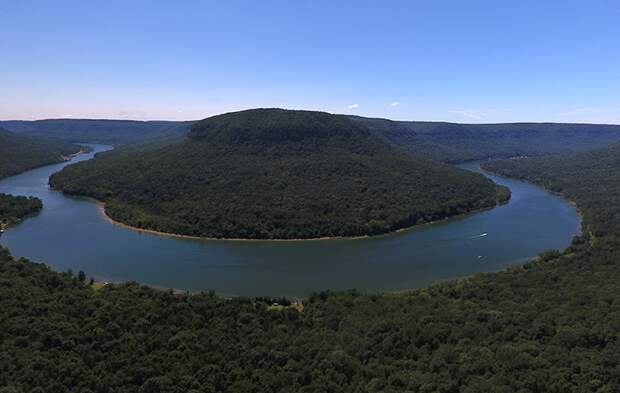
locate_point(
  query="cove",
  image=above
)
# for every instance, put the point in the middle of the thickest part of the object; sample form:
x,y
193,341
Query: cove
x,y
72,233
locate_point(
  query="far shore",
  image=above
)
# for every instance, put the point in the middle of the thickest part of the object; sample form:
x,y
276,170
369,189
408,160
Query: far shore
x,y
73,155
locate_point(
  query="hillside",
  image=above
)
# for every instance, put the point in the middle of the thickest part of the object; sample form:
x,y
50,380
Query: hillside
x,y
276,174
453,142
551,325
449,142
113,132
590,178
19,153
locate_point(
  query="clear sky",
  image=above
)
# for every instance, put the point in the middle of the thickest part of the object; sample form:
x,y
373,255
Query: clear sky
x,y
455,60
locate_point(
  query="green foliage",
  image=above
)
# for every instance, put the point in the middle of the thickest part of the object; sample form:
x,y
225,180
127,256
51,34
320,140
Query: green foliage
x,y
592,179
273,173
449,142
13,209
552,325
19,153
452,142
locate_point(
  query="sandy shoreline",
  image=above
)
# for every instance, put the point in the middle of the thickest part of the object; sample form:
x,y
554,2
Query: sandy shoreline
x,y
181,236
73,155
177,235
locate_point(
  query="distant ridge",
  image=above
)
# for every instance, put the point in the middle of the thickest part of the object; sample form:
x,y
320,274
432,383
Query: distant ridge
x,y
443,141
19,153
115,132
456,142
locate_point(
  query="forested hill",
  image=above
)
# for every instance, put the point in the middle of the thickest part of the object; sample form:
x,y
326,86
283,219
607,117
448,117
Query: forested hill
x,y
114,132
449,142
453,142
552,325
19,153
273,173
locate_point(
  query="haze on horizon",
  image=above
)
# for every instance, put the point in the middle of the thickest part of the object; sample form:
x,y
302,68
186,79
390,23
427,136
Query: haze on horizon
x,y
476,61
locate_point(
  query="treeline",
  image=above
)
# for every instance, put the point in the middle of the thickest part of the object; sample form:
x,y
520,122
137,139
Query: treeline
x,y
113,132
450,142
551,325
19,153
592,179
13,209
277,174
454,142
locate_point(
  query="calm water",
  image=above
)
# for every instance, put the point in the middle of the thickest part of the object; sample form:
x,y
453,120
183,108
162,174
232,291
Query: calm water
x,y
71,233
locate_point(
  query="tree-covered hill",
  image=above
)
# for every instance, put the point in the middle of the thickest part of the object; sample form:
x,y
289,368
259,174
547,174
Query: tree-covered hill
x,y
453,142
272,173
114,132
19,153
552,325
449,142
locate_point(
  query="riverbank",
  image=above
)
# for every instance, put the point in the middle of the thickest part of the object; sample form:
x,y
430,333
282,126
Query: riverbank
x,y
109,219
73,233
71,156
323,238
558,194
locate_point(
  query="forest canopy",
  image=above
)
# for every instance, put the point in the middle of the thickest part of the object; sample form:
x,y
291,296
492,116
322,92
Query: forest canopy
x,y
14,208
448,142
277,174
455,142
19,153
551,325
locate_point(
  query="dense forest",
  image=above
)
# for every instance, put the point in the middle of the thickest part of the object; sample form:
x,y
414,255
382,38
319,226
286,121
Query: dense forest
x,y
272,173
19,153
453,142
14,208
551,325
591,178
449,142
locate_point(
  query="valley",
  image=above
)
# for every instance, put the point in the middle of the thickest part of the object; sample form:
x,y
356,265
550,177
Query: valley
x,y
72,233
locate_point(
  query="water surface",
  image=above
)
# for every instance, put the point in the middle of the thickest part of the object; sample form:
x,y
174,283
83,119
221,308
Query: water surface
x,y
71,233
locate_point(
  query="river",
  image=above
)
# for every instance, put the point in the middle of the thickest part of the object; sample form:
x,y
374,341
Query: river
x,y
71,233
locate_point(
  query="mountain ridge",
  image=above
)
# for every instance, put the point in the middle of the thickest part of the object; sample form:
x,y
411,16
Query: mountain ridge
x,y
443,141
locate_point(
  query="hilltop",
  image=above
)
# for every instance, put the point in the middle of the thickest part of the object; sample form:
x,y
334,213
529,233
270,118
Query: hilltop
x,y
442,141
276,174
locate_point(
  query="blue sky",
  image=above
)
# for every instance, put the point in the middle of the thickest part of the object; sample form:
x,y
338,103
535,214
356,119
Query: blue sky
x,y
464,61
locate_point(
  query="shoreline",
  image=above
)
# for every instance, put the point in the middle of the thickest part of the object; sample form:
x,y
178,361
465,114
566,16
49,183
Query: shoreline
x,y
101,206
570,201
73,155
109,219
